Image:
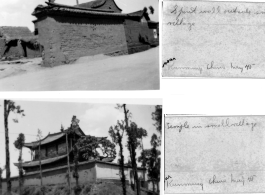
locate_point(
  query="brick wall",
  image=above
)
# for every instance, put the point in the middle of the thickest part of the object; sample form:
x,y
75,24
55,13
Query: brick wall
x,y
88,172
50,40
2,47
68,38
56,176
33,52
139,36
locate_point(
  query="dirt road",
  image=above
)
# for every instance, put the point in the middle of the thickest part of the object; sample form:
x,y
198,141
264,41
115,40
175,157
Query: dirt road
x,y
138,71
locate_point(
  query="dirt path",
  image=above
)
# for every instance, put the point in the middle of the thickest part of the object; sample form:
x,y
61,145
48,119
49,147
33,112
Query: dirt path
x,y
130,72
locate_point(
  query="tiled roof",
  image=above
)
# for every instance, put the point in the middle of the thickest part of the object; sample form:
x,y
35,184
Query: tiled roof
x,y
50,138
59,8
43,162
55,136
138,13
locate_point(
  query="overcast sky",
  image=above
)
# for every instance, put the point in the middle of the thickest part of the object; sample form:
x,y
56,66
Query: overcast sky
x,y
95,119
18,12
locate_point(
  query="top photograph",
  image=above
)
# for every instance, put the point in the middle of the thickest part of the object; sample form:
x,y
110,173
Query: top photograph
x,y
79,45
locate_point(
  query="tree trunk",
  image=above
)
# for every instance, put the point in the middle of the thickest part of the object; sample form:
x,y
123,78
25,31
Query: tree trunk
x,y
41,184
134,164
76,171
0,182
123,179
76,175
6,113
153,182
76,158
157,185
134,167
133,154
20,172
68,164
126,117
126,124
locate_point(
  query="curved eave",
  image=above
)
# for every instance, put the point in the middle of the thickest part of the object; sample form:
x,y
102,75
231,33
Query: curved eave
x,y
43,162
117,5
43,141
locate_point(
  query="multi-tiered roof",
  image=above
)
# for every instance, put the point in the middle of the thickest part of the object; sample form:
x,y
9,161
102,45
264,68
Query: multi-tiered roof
x,y
53,150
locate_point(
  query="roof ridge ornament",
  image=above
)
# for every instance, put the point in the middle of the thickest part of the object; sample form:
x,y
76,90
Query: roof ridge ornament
x,y
75,122
62,128
53,5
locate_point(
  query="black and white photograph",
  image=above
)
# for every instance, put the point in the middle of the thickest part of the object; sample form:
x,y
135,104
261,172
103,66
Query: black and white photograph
x,y
80,148
70,45
132,97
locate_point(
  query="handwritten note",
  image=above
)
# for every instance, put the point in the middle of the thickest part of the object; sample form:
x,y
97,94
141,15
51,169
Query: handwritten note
x,y
214,154
213,39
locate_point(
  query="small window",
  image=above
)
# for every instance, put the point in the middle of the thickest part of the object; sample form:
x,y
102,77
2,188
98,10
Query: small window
x,y
36,32
42,152
155,34
62,148
51,151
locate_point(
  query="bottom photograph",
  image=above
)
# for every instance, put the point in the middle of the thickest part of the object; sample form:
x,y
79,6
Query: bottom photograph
x,y
81,147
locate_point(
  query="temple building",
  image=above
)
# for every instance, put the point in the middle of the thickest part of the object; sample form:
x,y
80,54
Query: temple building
x,y
96,27
53,151
54,163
